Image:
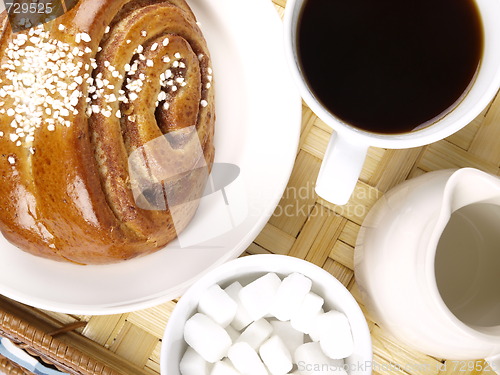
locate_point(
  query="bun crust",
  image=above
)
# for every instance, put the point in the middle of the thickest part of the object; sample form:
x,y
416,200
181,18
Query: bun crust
x,y
106,129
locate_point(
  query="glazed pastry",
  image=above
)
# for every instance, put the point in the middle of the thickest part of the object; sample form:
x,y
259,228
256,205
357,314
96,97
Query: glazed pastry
x,y
106,129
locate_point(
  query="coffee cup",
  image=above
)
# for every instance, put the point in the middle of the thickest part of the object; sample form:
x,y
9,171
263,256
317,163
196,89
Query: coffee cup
x,y
348,145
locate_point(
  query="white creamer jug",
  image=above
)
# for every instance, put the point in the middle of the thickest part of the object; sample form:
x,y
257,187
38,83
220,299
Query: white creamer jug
x,y
427,262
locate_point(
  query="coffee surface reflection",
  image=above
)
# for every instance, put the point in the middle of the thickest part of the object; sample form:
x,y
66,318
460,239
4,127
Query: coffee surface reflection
x,y
389,66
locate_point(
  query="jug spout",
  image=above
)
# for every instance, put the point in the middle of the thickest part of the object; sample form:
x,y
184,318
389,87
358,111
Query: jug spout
x,y
467,186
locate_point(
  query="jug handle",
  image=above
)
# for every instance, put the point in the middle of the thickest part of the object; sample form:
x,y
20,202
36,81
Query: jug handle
x,y
494,363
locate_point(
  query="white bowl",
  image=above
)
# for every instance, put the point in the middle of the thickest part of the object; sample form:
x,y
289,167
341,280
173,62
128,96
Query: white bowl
x,y
249,268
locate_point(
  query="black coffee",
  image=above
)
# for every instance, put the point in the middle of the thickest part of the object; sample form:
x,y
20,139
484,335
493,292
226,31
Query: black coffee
x,y
388,66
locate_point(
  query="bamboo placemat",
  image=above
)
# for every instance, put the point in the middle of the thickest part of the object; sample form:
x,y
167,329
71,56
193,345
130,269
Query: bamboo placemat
x,y
310,228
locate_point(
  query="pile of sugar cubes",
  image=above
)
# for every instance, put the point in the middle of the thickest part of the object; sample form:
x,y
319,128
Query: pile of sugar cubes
x,y
267,327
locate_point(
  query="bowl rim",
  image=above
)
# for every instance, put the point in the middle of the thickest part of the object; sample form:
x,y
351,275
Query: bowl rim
x,y
262,264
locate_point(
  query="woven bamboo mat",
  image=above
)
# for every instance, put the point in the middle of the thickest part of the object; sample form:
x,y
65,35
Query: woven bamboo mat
x,y
308,227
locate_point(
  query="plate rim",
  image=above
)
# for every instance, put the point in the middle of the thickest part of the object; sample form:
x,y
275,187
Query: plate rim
x,y
163,296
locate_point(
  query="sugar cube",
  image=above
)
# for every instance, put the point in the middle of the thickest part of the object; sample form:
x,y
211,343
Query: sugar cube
x,y
258,296
311,360
317,326
290,336
289,296
218,305
246,360
241,319
224,367
336,338
206,337
193,364
276,356
302,319
256,333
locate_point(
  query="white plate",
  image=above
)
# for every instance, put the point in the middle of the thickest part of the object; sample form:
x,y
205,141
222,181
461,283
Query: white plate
x,y
257,129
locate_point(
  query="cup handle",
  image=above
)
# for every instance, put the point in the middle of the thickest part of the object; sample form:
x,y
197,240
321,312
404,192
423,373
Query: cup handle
x,y
340,169
494,363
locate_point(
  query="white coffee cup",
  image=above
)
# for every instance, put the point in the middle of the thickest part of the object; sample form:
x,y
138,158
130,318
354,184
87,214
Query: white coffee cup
x,y
347,149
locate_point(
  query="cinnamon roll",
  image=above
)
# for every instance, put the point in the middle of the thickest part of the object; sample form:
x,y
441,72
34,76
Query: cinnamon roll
x,y
106,129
